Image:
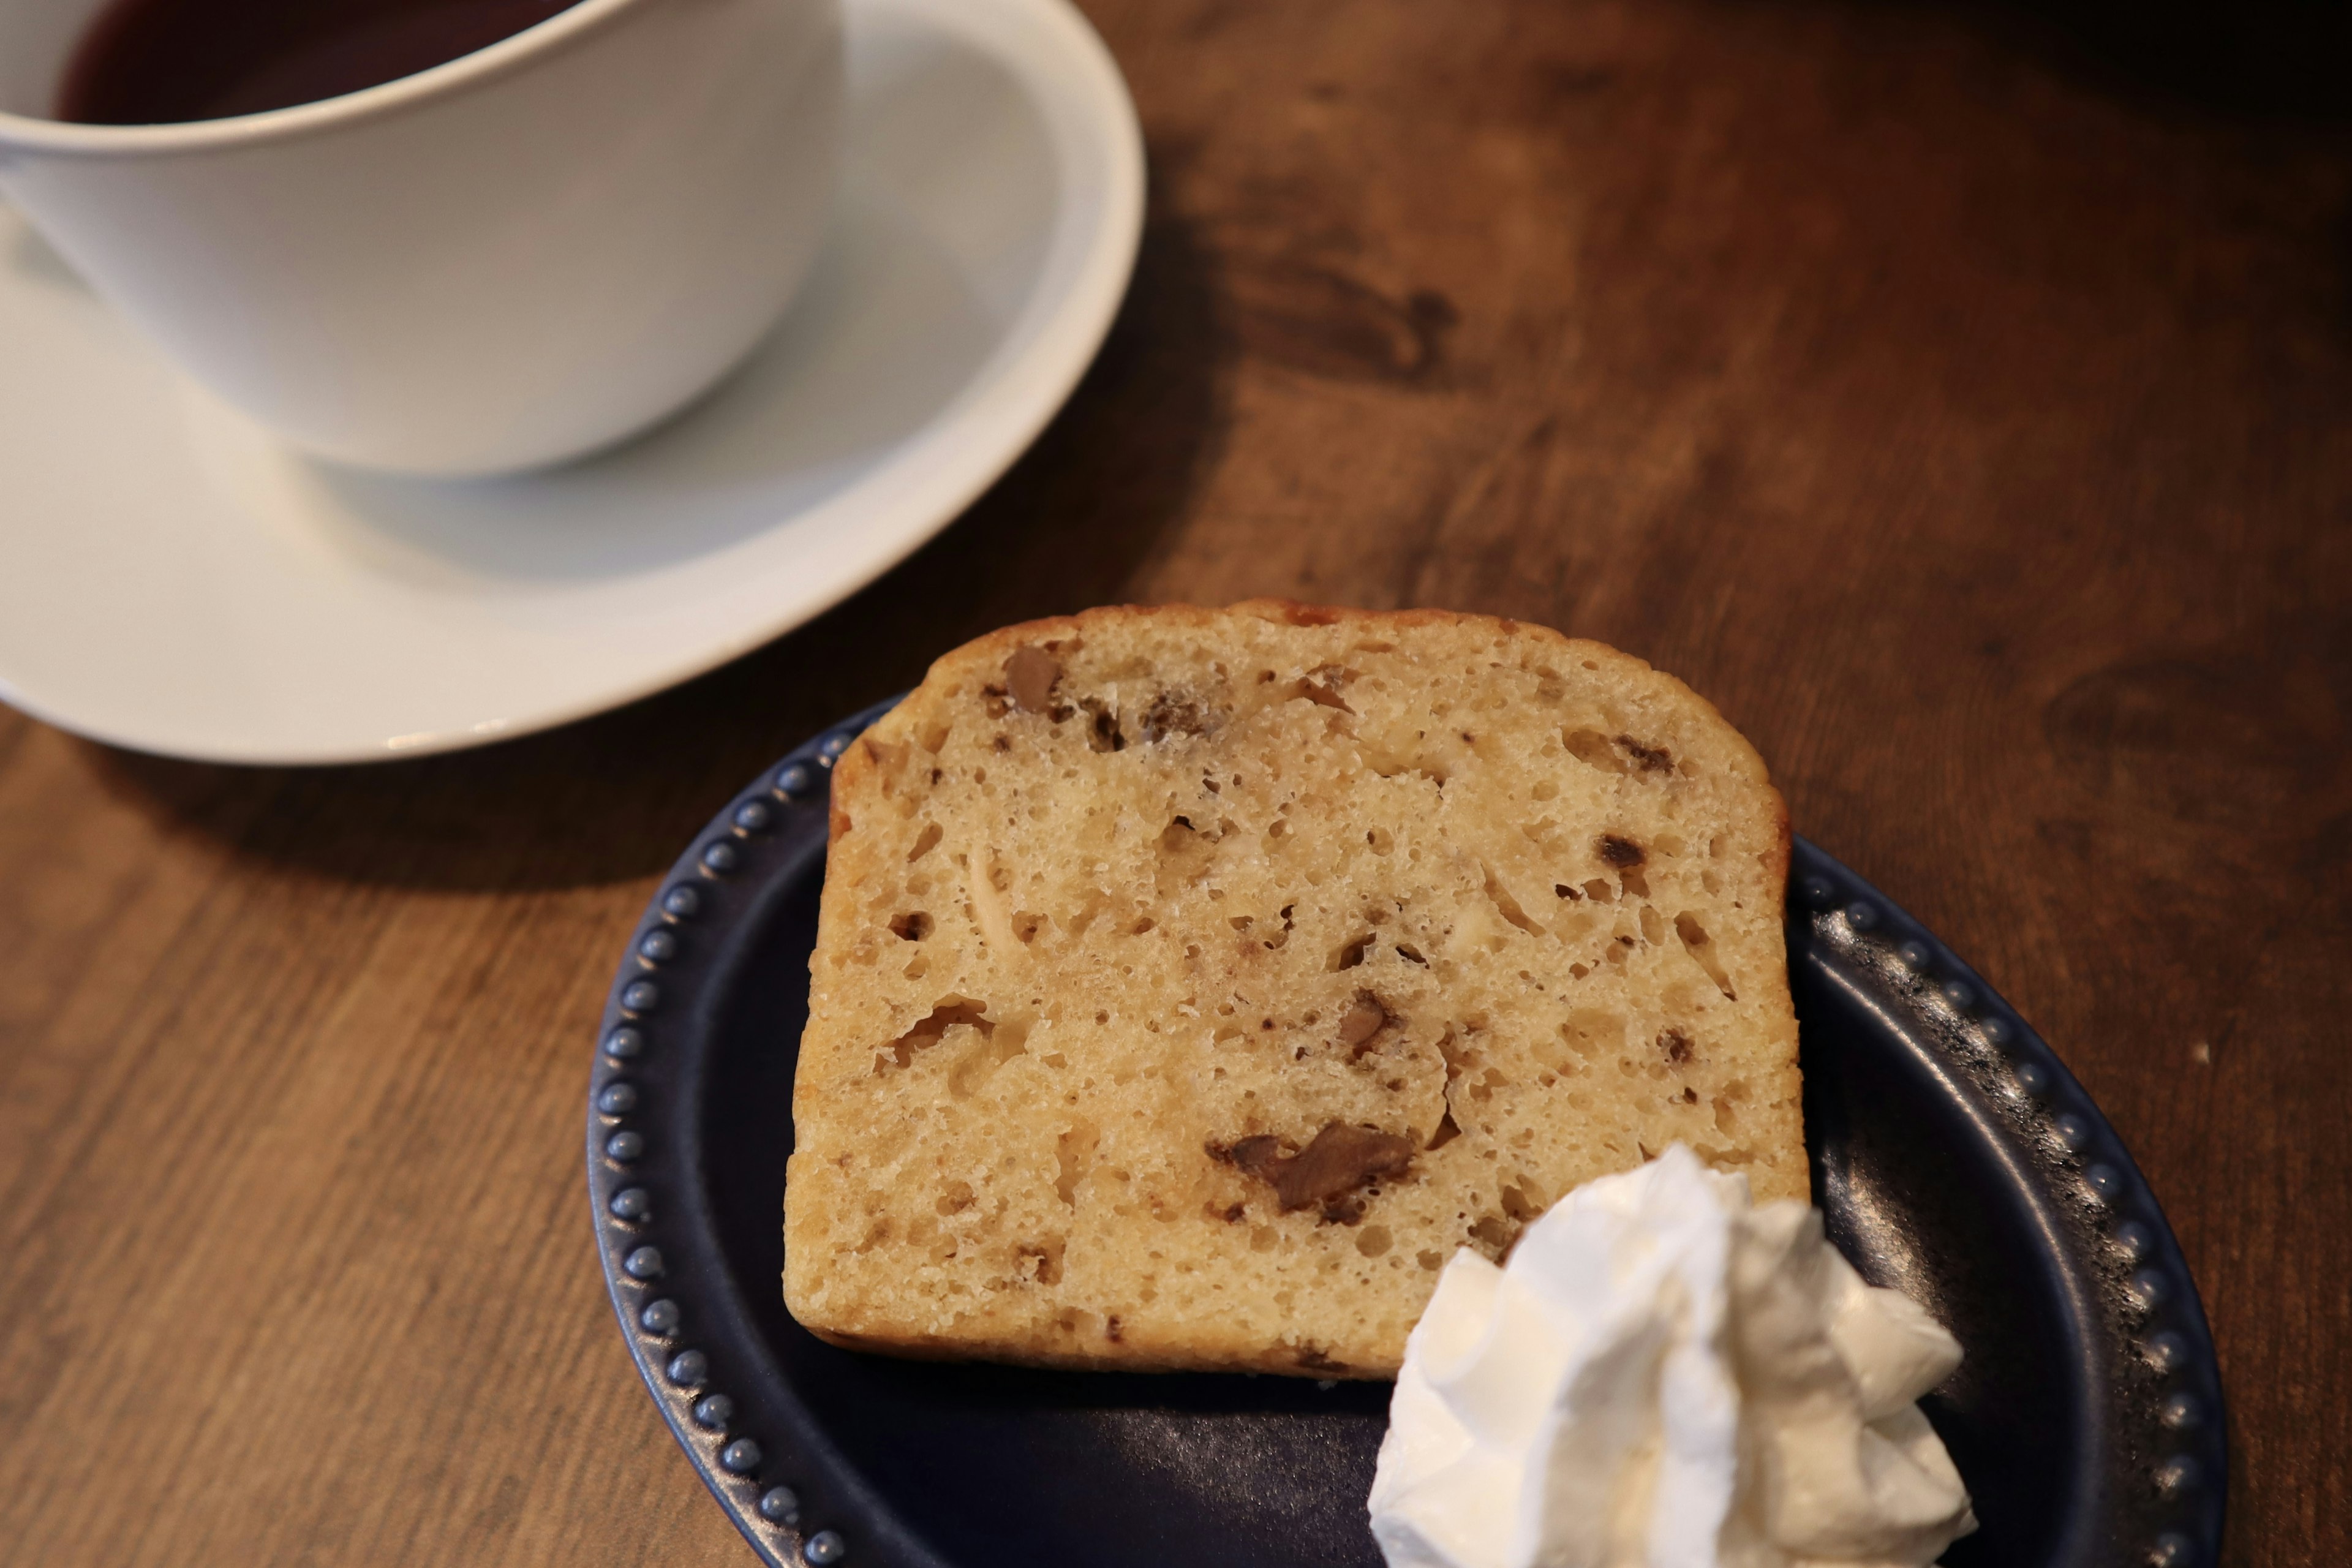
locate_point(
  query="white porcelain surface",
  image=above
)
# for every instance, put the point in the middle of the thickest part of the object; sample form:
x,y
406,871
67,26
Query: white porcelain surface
x,y
174,581
508,259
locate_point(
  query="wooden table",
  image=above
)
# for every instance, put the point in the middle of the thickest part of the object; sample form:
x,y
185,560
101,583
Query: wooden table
x,y
1969,413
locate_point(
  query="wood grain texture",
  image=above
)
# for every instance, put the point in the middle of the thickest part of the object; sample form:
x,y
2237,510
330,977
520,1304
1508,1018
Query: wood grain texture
x,y
1963,401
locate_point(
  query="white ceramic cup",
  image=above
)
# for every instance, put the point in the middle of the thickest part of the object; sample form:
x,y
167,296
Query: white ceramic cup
x,y
504,261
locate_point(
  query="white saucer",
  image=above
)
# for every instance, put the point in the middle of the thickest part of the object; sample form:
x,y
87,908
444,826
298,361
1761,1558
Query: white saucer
x,y
173,580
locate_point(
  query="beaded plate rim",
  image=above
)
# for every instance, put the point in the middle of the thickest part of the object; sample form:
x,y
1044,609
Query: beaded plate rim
x,y
1859,934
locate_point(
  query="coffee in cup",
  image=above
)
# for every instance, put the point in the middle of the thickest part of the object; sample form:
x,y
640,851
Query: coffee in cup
x,y
501,261
152,62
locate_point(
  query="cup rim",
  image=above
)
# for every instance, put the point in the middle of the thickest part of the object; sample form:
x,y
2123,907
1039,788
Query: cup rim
x,y
35,133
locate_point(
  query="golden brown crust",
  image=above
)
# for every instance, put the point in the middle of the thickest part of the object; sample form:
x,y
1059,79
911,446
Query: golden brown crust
x,y
991,647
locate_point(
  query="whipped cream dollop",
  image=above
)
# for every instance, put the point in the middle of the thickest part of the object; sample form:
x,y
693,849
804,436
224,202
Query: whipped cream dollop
x,y
1664,1376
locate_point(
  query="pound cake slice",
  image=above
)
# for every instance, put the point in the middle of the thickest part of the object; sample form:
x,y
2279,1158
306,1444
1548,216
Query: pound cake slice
x,y
1191,983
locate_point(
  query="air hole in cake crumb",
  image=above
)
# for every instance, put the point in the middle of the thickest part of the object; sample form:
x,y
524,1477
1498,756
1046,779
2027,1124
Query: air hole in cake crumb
x,y
1522,1199
912,926
1026,926
1381,839
1349,954
1701,947
916,968
1493,1235
1102,1017
1410,953
1654,929
1636,884
1072,1151
925,842
1365,1018
1579,971
955,1198
1433,1261
1321,687
1600,891
950,1012
1591,748
1140,926
1500,897
1448,1130
1590,1031
1373,1240
980,1058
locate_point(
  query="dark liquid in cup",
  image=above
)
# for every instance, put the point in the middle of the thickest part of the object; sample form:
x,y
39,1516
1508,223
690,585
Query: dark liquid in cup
x,y
151,62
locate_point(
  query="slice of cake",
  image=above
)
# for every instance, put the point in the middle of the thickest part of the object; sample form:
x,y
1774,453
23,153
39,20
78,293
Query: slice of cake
x,y
1191,983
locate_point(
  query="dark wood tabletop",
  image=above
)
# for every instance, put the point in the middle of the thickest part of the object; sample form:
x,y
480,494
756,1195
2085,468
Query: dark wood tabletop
x,y
1960,397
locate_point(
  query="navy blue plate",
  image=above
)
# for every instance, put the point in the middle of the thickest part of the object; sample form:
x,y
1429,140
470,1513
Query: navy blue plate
x,y
1953,1153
